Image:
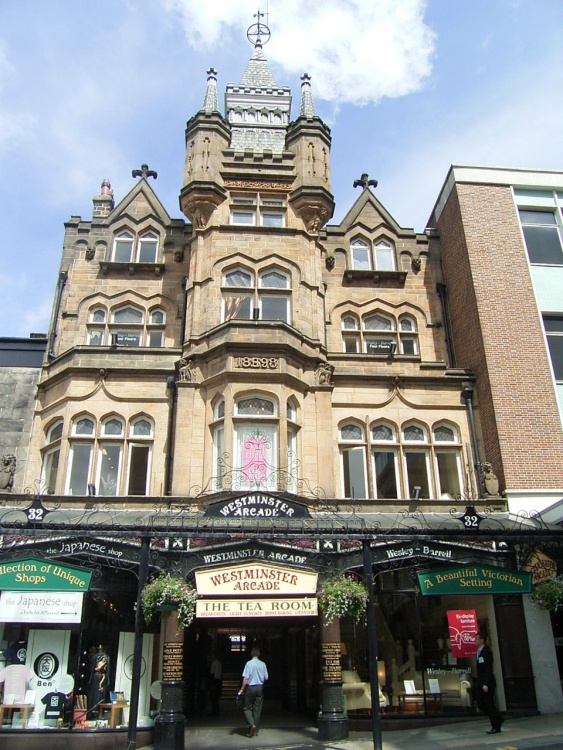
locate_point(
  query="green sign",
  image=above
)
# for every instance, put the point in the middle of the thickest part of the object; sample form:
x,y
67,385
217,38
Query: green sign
x,y
474,579
43,575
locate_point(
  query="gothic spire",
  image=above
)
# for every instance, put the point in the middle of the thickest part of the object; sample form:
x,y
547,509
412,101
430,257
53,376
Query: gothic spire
x,y
258,73
210,100
307,107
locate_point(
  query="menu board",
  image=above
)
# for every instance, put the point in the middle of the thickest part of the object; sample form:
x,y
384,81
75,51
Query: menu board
x,y
330,662
173,662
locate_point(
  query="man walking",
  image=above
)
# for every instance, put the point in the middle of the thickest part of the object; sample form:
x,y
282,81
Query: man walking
x,y
254,676
486,684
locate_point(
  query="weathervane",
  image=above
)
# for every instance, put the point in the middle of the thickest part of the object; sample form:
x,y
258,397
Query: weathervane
x,y
258,33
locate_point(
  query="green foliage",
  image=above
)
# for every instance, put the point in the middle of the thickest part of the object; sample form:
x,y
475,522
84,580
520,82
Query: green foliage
x,y
165,593
343,596
548,595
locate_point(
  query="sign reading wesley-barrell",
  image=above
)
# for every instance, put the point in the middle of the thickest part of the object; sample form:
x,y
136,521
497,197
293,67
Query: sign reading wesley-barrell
x,y
475,579
255,578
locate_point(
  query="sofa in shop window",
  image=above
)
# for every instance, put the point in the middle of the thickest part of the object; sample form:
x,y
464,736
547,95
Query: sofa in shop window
x,y
358,693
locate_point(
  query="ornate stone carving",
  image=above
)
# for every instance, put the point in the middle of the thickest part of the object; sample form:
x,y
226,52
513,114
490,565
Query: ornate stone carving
x,y
330,261
257,184
416,264
179,255
89,254
257,363
186,371
323,374
7,471
314,215
490,481
199,212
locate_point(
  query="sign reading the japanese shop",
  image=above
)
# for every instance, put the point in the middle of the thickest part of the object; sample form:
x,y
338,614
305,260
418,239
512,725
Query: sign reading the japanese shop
x,y
463,628
298,607
40,606
31,574
257,505
330,662
255,578
475,579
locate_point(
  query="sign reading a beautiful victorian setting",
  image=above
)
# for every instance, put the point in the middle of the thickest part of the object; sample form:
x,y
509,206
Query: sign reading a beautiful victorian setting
x,y
475,579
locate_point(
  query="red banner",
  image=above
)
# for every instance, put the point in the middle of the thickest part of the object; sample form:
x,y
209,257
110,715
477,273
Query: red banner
x,y
463,629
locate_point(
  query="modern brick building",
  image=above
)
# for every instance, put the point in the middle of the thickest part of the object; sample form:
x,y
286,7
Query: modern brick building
x,y
253,385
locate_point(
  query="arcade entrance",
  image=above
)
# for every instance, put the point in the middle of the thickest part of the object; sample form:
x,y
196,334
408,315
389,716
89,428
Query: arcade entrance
x,y
289,646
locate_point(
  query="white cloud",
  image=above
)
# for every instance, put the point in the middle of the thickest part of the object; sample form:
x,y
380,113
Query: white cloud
x,y
356,51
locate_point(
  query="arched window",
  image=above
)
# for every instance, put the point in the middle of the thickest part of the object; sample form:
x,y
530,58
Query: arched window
x,y
265,298
447,458
51,458
127,248
360,252
408,335
256,442
384,256
97,462
353,460
367,257
128,326
416,458
387,479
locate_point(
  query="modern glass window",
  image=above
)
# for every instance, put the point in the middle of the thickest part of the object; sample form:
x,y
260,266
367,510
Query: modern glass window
x,y
51,458
130,248
367,256
542,232
553,325
353,460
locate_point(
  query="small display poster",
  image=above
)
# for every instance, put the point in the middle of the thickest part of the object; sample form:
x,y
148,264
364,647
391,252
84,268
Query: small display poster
x,y
330,657
173,662
463,629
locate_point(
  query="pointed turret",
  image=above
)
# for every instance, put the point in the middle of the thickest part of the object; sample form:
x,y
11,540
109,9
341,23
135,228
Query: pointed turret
x,y
211,101
309,139
257,109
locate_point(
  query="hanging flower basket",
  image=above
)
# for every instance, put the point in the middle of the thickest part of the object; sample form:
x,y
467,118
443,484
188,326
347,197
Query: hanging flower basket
x,y
341,597
167,593
548,595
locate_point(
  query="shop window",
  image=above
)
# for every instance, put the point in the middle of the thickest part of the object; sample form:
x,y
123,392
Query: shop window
x,y
268,300
51,458
353,460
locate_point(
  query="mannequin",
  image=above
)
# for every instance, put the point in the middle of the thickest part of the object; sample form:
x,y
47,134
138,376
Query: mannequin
x,y
98,685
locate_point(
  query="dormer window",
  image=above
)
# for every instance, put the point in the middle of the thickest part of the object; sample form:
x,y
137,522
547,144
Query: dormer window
x,y
367,257
130,249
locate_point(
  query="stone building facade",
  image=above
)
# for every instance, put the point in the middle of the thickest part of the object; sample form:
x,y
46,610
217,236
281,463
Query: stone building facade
x,y
255,365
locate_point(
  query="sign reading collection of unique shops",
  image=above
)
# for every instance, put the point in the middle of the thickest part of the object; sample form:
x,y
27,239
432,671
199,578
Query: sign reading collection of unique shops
x,y
256,590
41,591
475,579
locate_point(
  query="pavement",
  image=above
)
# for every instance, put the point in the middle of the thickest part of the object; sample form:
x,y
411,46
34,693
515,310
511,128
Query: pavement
x,y
524,733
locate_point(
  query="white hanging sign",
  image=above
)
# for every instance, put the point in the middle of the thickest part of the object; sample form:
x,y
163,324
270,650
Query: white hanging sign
x,y
41,606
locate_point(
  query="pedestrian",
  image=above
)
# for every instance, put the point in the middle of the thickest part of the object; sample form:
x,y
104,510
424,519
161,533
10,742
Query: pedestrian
x,y
254,676
215,683
486,684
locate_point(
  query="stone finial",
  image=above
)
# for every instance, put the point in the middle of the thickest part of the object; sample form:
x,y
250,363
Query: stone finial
x,y
365,182
144,172
307,107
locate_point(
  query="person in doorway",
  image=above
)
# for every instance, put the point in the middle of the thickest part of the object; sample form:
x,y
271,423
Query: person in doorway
x,y
215,683
486,684
254,676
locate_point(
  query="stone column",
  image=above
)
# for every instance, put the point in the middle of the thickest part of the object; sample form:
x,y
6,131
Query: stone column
x,y
169,724
332,719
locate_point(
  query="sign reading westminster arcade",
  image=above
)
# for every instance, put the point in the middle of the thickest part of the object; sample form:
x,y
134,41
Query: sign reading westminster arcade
x,y
257,505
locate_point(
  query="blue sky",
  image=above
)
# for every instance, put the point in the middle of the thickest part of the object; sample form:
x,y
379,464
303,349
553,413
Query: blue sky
x,y
93,90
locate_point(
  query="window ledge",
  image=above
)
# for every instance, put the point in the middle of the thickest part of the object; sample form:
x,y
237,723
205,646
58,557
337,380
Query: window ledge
x,y
132,268
351,276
